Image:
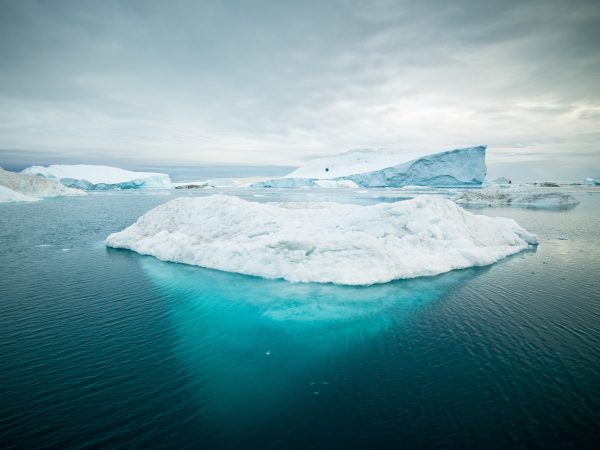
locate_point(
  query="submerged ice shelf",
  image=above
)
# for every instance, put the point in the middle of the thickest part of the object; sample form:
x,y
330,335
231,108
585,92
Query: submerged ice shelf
x,y
323,242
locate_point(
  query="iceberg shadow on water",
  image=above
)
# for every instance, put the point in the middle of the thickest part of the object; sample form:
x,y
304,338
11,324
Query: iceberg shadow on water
x,y
232,330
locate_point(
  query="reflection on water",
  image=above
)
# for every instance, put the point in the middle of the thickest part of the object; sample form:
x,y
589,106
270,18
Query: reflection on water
x,y
252,345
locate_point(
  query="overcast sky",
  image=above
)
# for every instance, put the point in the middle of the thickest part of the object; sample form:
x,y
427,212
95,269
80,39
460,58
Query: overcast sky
x,y
270,83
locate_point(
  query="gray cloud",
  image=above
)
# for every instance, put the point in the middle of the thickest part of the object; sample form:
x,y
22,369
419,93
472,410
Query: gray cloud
x,y
274,83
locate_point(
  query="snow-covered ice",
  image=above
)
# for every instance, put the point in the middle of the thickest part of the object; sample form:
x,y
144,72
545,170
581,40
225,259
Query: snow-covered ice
x,y
18,187
336,184
92,177
323,242
499,182
9,195
517,197
369,168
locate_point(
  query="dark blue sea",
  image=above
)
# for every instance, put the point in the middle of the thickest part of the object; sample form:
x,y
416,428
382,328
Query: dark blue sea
x,y
107,348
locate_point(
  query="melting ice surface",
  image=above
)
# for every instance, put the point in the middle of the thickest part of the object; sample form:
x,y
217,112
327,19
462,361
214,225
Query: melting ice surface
x,y
323,242
252,346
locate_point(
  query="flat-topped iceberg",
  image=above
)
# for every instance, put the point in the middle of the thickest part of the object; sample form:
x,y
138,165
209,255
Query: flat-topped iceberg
x,y
323,242
518,198
368,168
18,187
92,177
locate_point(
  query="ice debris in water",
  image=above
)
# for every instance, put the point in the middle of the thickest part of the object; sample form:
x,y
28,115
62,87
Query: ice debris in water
x,y
323,242
517,197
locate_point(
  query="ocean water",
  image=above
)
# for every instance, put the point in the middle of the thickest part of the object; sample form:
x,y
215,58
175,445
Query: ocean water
x,y
104,347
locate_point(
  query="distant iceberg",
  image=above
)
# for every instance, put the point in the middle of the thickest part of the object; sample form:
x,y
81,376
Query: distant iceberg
x,y
18,187
518,198
368,168
92,177
8,195
323,242
500,181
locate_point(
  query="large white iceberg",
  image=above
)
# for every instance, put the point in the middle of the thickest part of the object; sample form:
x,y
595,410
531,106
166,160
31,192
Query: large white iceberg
x,y
18,187
368,168
519,198
323,242
93,177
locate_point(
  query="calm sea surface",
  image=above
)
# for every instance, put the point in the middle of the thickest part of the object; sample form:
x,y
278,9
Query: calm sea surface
x,y
102,347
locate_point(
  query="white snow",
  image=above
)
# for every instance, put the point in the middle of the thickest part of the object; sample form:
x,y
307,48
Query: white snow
x,y
337,184
100,177
323,242
353,162
23,187
517,197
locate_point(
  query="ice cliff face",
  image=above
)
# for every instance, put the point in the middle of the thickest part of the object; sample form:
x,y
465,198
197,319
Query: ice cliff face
x,y
323,242
18,187
91,177
461,167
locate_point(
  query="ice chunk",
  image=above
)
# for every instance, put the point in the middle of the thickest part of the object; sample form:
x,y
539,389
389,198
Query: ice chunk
x,y
100,177
500,182
323,242
368,168
336,184
519,198
21,187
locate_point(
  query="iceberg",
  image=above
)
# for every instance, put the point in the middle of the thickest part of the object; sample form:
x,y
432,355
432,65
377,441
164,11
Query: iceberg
x,y
18,187
368,168
500,181
323,242
92,177
9,195
519,198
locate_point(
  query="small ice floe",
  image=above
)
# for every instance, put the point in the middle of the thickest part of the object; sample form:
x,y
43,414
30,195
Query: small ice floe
x,y
64,249
268,352
517,198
